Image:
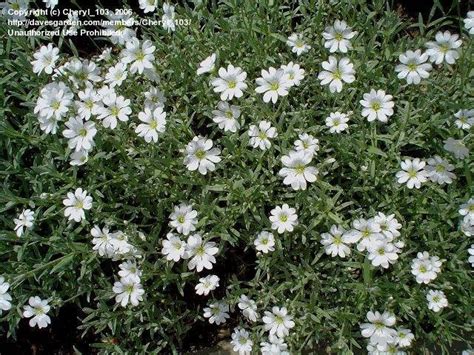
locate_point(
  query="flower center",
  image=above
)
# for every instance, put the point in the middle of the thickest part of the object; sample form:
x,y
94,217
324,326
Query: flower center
x,y
412,173
229,115
436,299
423,269
279,319
440,168
338,36
79,204
262,136
56,105
200,251
83,132
412,66
140,56
231,84
376,106
181,219
200,154
299,169
274,86
114,111
337,74
153,124
283,217
381,251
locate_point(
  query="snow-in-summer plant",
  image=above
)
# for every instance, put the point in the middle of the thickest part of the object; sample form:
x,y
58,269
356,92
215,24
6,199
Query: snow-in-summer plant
x,y
299,178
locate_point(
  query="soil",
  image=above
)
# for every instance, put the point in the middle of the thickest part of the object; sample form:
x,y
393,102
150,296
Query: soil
x,y
63,336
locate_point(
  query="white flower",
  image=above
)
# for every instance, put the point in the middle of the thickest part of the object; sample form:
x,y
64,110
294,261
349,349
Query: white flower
x,y
295,41
446,48
337,122
439,170
154,98
154,122
88,104
139,54
53,103
50,4
148,5
412,173
45,59
207,65
248,307
129,270
230,82
128,290
118,27
413,66
425,267
307,143
336,72
226,116
200,253
296,171
294,73
207,284
173,247
76,203
404,337
79,158
217,312
241,341
467,227
338,37
377,105
471,255
379,329
5,297
37,309
80,72
80,134
103,241
469,22
272,83
436,300
465,119
265,242
167,20
200,156
457,147
335,242
283,218
116,107
106,55
364,232
274,346
278,321
467,210
382,253
116,75
25,220
260,136
183,218
389,226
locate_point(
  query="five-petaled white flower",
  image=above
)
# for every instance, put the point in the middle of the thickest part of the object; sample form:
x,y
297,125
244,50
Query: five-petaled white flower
x,y
379,330
469,22
338,37
278,321
445,48
336,242
154,122
184,219
337,122
128,290
45,59
412,173
307,143
201,156
272,83
230,82
294,73
283,218
465,119
140,55
296,171
439,170
207,284
264,242
226,116
298,46
457,147
377,105
200,253
248,307
173,247
260,135
24,221
413,66
116,107
76,203
80,134
425,268
217,312
37,310
5,297
241,341
336,72
436,300
207,65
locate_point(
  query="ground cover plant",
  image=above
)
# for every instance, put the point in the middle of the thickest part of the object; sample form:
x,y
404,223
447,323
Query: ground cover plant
x,y
298,175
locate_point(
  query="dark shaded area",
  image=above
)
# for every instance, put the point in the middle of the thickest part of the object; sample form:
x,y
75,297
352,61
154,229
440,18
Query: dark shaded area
x,y
61,337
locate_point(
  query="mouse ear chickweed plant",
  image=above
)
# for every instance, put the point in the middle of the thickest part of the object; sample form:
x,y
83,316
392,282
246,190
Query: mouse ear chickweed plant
x,y
302,182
